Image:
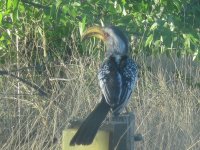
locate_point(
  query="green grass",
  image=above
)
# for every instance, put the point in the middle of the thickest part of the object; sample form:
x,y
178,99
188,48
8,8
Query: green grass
x,y
166,102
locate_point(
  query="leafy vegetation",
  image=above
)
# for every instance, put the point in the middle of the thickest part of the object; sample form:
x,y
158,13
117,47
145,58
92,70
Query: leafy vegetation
x,y
48,75
161,26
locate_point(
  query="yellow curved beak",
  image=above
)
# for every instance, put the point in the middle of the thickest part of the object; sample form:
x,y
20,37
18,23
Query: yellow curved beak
x,y
96,32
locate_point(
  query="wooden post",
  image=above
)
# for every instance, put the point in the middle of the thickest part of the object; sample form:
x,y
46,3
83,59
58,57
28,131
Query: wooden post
x,y
122,137
117,134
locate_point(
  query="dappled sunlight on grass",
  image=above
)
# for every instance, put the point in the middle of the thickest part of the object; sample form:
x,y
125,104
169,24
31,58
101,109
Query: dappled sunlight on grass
x,y
166,107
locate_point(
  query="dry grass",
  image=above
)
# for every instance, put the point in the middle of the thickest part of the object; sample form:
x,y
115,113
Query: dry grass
x,y
166,102
167,107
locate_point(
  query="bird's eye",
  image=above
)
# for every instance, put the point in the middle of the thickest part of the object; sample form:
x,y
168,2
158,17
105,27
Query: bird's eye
x,y
106,35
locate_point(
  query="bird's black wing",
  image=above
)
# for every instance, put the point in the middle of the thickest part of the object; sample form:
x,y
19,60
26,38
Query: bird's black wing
x,y
129,73
110,82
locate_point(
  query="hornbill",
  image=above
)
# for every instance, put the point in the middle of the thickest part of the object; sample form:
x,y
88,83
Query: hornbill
x,y
117,78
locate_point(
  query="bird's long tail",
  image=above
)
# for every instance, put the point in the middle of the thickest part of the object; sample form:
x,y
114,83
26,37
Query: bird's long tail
x,y
91,124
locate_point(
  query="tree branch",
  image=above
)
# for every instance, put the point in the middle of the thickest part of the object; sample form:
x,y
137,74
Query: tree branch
x,y
33,85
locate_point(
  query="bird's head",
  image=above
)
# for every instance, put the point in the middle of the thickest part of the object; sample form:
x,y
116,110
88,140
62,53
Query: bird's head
x,y
115,40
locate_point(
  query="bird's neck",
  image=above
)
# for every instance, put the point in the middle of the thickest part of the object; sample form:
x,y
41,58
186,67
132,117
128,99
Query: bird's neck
x,y
117,58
